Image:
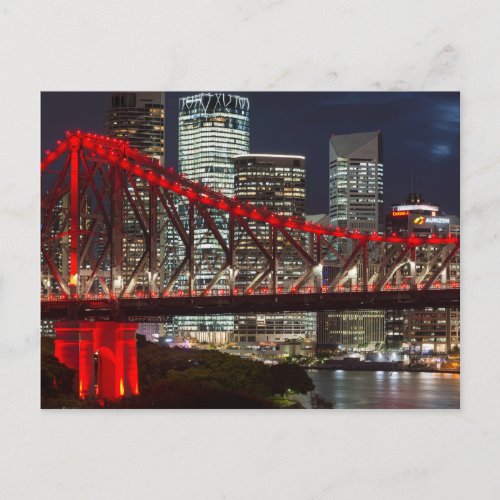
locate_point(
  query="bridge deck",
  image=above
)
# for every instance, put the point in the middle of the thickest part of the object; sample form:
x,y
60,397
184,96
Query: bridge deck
x,y
157,309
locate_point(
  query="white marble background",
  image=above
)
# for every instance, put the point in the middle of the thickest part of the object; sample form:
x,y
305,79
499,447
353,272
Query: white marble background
x,y
248,45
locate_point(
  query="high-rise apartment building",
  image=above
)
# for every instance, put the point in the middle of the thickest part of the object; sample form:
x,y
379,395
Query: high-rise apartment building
x,y
277,182
357,181
139,118
213,129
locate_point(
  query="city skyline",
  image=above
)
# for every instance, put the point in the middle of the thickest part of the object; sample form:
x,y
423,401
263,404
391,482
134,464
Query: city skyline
x,y
420,129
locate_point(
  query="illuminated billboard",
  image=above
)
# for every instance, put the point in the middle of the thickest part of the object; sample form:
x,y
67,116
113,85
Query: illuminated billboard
x,y
422,220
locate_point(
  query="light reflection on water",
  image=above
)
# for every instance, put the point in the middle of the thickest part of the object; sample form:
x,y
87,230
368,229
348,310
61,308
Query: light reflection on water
x,y
351,389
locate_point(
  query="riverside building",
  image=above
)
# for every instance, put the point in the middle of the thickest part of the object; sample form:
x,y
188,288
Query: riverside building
x,y
432,329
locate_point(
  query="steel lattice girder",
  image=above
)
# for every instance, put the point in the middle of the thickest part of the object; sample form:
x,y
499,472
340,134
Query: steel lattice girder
x,y
99,183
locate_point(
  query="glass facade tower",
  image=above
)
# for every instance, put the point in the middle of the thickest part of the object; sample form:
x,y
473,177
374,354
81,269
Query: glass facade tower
x,y
213,129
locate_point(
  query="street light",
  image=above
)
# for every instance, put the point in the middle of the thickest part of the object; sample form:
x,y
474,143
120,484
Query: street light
x,y
353,276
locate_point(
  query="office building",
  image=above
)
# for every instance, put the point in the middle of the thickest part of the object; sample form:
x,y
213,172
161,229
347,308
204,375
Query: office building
x,y
139,118
357,181
356,199
350,329
277,182
433,329
417,216
213,129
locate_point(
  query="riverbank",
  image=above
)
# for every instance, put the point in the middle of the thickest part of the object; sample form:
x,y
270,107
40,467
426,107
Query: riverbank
x,y
375,367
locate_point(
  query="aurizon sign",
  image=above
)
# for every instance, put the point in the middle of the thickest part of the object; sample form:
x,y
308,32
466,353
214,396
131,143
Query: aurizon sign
x,y
431,220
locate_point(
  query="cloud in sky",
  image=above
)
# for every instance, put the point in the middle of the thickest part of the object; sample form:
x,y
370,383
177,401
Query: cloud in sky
x,y
441,150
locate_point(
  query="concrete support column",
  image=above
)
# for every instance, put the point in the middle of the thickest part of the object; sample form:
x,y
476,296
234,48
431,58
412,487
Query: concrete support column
x,y
129,350
86,373
74,348
108,363
117,375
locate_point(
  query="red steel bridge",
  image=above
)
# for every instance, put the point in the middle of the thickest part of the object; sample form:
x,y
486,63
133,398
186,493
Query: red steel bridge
x,y
124,240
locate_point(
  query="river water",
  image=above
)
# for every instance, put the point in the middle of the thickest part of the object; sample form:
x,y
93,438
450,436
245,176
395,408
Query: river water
x,y
351,389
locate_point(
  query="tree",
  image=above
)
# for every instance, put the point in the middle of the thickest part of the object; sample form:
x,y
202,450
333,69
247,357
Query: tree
x,y
55,378
286,377
318,402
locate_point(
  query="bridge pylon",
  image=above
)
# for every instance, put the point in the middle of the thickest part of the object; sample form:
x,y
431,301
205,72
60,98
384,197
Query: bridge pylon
x,y
104,355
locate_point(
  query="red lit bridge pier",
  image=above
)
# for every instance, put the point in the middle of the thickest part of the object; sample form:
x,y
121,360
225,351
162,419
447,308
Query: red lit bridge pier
x,y
104,355
124,239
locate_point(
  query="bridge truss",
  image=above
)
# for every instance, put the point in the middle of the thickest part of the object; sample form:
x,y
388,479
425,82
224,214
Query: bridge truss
x,y
117,226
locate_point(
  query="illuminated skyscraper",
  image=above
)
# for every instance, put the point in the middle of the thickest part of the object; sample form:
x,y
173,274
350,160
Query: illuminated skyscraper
x,y
213,129
357,181
277,182
356,202
139,118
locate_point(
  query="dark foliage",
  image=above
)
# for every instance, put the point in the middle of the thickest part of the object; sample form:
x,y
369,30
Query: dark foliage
x,y
188,378
318,402
189,394
290,377
56,379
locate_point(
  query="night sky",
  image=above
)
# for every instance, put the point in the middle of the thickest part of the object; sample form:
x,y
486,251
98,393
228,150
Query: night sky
x,y
420,130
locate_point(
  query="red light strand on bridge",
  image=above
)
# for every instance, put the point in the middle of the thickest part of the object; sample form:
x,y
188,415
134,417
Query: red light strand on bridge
x,y
116,152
